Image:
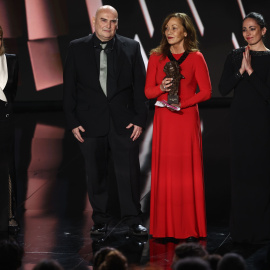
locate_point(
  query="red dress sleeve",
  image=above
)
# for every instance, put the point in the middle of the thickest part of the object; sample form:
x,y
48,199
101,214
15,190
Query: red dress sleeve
x,y
152,88
203,80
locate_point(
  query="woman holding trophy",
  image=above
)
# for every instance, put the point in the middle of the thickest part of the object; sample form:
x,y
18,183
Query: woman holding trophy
x,y
177,187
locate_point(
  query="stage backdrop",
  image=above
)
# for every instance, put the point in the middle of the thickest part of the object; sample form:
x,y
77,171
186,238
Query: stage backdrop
x,y
39,31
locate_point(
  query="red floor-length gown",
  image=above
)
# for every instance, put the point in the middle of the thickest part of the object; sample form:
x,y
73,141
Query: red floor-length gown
x,y
177,186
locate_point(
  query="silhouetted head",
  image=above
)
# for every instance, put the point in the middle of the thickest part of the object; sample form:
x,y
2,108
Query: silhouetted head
x,y
192,263
213,260
100,255
48,265
232,261
114,260
185,250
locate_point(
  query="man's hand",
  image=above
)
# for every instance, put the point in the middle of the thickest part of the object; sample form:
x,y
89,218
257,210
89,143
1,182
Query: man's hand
x,y
77,134
137,131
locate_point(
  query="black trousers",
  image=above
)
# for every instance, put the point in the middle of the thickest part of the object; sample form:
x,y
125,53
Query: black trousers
x,y
6,139
110,158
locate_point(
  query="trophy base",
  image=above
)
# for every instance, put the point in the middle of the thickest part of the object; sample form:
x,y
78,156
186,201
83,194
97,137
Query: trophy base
x,y
173,99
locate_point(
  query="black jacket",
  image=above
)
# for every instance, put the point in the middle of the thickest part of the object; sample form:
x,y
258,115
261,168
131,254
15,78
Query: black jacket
x,y
85,103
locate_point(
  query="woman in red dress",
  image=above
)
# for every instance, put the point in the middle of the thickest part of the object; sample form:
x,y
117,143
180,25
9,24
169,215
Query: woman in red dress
x,y
177,187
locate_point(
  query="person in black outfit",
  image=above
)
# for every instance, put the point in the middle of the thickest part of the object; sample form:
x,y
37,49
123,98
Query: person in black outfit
x,y
247,72
106,109
8,88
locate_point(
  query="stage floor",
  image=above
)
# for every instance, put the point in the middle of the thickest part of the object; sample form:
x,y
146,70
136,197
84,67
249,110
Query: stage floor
x,y
53,208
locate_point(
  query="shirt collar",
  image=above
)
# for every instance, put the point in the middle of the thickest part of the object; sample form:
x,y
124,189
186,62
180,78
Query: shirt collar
x,y
97,42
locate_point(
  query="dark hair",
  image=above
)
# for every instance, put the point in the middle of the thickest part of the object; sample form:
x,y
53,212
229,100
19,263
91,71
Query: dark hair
x,y
192,263
190,41
190,250
11,254
100,255
232,261
257,17
213,260
2,48
114,260
48,265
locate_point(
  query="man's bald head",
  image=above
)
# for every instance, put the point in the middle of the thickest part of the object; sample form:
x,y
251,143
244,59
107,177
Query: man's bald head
x,y
108,8
105,22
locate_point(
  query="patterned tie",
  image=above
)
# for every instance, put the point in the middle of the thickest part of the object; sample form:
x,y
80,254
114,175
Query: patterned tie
x,y
103,69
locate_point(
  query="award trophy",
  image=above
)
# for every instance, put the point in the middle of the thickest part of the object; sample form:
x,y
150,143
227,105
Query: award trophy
x,y
172,70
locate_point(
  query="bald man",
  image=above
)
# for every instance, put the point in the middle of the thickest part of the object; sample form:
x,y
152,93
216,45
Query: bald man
x,y
106,109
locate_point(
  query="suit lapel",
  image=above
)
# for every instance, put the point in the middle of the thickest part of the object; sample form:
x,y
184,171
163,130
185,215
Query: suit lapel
x,y
121,56
90,64
91,58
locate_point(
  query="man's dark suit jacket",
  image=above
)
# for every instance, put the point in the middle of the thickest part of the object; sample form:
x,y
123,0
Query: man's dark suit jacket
x,y
86,105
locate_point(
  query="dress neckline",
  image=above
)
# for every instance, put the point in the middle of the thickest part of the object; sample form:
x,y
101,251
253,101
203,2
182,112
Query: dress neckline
x,y
177,53
255,53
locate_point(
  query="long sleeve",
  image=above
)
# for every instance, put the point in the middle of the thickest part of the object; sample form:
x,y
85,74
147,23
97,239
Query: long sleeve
x,y
70,90
152,88
140,101
229,78
203,80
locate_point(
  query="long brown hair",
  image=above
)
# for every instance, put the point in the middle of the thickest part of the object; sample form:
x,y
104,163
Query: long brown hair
x,y
190,41
2,48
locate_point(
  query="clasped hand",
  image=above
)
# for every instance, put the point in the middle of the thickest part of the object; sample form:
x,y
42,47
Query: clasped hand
x,y
246,62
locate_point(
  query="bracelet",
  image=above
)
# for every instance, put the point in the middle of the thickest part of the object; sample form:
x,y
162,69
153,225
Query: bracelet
x,y
238,75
